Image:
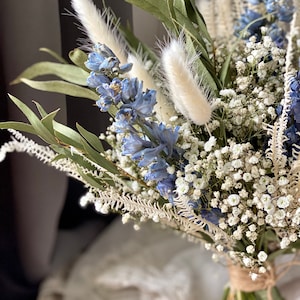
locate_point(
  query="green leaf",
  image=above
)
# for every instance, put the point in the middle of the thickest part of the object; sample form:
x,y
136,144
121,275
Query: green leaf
x,y
206,237
54,54
67,153
49,119
99,159
91,138
207,77
78,57
159,9
180,15
184,23
90,180
82,163
174,15
225,71
276,294
295,245
136,45
41,110
263,295
67,135
20,126
67,72
37,124
226,293
62,87
180,5
196,16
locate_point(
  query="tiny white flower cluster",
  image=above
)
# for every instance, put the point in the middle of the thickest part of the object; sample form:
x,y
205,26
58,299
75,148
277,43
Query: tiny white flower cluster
x,y
257,87
238,181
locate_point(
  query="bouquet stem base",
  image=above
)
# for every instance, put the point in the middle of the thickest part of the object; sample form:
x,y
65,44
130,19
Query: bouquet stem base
x,y
230,294
243,287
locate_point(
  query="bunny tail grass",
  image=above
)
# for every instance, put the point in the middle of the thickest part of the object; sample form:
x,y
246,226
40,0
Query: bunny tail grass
x,y
188,97
97,29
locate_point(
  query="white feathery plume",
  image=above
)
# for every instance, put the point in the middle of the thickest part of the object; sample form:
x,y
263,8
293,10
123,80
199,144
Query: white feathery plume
x,y
276,151
97,28
164,109
186,93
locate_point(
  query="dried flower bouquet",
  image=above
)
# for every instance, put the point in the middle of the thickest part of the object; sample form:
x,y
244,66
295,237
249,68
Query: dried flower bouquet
x,y
204,135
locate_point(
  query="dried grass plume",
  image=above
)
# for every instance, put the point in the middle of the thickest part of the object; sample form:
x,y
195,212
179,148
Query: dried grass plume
x,y
185,90
97,28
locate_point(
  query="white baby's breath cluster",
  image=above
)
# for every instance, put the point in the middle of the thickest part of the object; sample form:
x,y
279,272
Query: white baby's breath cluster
x,y
238,179
257,88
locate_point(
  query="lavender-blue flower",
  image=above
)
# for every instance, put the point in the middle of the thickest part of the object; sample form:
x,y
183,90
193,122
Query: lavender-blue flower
x,y
130,89
165,136
277,35
133,144
166,188
282,10
250,16
95,79
157,171
109,94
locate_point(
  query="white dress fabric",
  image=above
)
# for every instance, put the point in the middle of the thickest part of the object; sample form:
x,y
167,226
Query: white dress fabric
x,y
149,264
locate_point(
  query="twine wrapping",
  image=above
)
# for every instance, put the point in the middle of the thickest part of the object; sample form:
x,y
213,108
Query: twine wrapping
x,y
240,279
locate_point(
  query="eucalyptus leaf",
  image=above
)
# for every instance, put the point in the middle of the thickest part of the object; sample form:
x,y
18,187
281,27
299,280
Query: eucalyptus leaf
x,y
20,126
99,159
91,138
263,295
49,119
206,237
82,164
91,180
296,244
174,14
37,124
68,136
79,57
40,109
64,152
62,87
67,72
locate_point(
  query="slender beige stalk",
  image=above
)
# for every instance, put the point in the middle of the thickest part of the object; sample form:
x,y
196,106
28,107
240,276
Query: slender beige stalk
x,y
186,93
164,109
97,29
219,16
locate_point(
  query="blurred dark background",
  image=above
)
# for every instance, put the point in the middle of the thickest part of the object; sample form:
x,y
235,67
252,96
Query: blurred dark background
x,y
35,202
